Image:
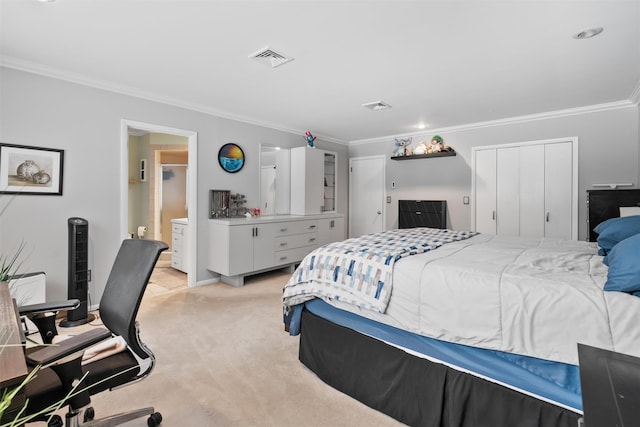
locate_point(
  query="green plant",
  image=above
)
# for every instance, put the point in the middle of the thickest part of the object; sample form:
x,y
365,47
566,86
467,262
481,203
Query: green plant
x,y
9,264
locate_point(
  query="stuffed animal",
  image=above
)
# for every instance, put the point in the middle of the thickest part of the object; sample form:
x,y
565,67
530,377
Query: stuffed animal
x,y
421,148
436,145
401,147
310,139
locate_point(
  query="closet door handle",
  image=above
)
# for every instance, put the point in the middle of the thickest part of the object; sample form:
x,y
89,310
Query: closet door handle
x,y
493,216
547,217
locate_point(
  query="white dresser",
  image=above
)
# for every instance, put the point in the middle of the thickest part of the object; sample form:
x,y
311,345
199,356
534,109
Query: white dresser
x,y
179,244
240,247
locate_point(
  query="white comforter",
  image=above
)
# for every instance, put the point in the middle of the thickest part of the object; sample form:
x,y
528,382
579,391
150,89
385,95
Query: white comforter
x,y
537,297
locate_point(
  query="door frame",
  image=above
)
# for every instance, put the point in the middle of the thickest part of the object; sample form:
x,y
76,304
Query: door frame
x,y
384,189
192,174
574,176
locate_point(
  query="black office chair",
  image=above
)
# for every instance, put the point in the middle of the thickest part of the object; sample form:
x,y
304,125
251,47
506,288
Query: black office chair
x,y
119,305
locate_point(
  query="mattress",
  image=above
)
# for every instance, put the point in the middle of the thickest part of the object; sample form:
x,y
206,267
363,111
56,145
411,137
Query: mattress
x,y
532,297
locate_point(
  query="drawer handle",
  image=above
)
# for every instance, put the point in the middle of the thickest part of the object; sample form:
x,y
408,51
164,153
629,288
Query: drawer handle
x,y
282,258
312,226
282,230
313,239
283,244
418,213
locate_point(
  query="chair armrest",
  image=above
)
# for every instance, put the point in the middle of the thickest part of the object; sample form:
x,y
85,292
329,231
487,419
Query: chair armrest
x,y
44,307
67,347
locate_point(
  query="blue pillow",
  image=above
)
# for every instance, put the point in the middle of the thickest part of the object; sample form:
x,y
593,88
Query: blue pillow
x,y
624,266
615,230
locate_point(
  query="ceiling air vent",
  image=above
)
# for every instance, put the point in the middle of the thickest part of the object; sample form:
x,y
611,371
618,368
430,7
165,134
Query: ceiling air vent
x,y
270,57
378,105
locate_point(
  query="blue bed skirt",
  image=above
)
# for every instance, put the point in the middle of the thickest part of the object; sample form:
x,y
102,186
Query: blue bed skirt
x,y
554,382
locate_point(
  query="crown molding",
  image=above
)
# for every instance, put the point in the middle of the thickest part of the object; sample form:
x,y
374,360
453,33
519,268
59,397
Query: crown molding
x,y
34,68
507,121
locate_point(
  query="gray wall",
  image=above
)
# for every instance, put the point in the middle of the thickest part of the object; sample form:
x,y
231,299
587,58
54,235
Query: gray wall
x,y
608,153
85,122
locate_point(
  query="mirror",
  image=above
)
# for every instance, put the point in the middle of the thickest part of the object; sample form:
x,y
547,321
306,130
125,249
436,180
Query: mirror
x,y
275,180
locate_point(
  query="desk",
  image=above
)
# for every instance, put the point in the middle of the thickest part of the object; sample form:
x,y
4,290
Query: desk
x,y
13,368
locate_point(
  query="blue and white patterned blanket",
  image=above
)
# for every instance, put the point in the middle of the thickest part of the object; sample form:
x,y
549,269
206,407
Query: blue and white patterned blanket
x,y
359,270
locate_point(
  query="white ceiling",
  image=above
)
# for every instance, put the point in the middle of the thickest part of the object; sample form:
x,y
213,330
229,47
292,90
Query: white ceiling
x,y
445,63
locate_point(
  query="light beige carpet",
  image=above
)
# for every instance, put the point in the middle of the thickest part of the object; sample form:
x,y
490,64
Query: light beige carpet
x,y
223,359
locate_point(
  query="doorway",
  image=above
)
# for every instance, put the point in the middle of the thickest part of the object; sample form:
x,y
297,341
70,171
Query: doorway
x,y
366,195
132,174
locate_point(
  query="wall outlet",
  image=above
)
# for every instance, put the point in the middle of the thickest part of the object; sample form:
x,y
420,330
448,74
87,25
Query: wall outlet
x,y
465,200
388,199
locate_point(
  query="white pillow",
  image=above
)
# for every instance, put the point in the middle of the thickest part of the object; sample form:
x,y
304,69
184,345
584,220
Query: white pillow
x,y
629,211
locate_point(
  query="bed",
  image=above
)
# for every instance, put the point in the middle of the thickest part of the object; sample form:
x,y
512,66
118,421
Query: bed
x,y
449,328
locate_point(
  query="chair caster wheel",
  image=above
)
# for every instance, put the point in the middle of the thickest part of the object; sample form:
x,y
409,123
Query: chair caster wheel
x,y
89,414
55,421
154,419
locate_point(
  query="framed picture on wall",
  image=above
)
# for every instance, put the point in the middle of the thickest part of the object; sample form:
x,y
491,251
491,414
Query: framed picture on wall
x,y
231,157
30,170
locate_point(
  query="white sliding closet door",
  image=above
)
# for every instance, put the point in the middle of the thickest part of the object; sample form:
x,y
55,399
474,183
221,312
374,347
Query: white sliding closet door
x,y
526,189
508,192
485,191
558,190
532,187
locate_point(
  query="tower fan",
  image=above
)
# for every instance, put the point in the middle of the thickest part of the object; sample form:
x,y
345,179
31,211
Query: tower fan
x,y
78,278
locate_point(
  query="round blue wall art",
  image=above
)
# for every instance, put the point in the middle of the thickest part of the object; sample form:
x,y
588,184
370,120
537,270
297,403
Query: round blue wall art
x,y
231,157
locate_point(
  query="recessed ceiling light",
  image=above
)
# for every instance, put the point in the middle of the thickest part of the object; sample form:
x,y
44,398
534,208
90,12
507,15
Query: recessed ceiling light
x,y
421,126
378,105
587,34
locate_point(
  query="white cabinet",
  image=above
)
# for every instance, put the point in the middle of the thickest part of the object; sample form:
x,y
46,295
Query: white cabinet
x,y
307,169
527,189
246,248
313,181
179,244
330,230
240,247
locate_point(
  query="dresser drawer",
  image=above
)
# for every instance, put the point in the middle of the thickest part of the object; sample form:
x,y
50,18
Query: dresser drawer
x,y
296,227
178,229
176,262
295,241
177,251
293,255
